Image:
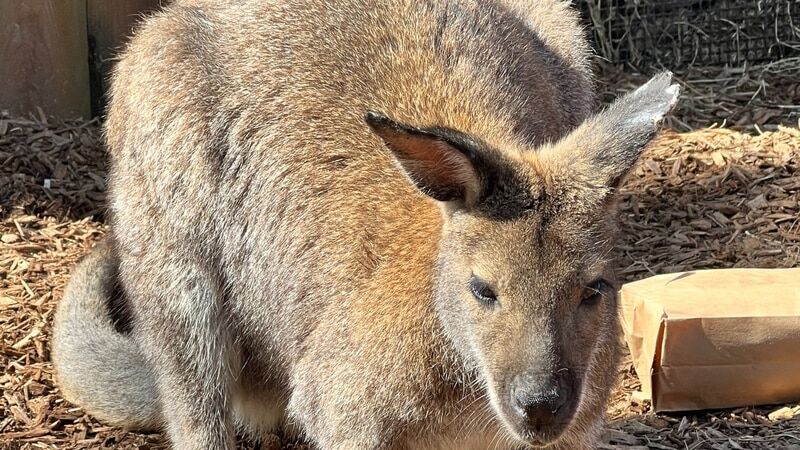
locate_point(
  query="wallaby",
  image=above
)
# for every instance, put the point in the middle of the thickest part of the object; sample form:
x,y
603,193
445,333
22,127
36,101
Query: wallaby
x,y
377,225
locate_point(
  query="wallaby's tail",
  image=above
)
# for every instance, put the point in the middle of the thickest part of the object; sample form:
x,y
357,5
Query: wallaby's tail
x,y
98,366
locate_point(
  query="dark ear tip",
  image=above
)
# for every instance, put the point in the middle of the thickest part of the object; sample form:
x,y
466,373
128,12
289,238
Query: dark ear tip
x,y
376,120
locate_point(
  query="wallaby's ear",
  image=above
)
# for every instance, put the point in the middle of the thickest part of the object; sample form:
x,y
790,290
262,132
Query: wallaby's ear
x,y
608,145
440,168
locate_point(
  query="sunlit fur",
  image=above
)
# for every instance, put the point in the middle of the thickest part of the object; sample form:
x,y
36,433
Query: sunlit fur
x,y
279,269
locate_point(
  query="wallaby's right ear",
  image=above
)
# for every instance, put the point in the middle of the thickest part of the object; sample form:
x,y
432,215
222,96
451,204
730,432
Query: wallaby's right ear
x,y
438,167
607,146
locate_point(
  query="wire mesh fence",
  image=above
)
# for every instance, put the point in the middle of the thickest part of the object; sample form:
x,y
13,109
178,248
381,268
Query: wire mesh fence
x,y
682,33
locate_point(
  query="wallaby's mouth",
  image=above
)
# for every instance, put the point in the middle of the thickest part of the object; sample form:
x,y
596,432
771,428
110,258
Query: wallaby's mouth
x,y
541,440
538,413
533,436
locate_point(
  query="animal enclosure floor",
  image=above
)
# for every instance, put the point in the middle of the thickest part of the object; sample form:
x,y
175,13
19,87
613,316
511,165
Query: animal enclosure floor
x,y
704,199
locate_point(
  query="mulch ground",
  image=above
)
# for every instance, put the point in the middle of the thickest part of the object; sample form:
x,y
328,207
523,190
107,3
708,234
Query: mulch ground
x,y
713,197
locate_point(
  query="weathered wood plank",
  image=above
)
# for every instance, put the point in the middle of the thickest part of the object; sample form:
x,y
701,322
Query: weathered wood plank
x,y
44,57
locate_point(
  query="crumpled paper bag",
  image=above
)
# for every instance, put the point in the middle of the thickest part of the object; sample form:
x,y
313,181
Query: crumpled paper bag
x,y
715,338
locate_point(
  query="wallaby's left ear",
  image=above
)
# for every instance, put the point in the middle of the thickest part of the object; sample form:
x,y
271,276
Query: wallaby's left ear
x,y
439,167
607,146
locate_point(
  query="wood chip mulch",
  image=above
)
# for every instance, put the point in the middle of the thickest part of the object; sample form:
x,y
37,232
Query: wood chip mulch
x,y
703,199
712,198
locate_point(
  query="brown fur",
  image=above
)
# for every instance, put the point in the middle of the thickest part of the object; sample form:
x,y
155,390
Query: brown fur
x,y
279,256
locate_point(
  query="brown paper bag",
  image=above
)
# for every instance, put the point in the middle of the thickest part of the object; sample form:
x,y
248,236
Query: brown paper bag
x,y
715,338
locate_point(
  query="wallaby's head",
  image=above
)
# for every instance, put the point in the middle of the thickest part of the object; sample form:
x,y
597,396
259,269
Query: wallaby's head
x,y
525,290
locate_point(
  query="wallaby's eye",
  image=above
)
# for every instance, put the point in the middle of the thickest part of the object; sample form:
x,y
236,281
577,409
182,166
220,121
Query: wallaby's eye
x,y
594,292
482,291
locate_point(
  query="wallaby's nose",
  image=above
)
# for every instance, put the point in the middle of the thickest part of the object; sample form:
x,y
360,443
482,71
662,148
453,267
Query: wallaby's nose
x,y
543,400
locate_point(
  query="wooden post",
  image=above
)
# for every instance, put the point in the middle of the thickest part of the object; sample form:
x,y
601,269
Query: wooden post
x,y
110,24
44,57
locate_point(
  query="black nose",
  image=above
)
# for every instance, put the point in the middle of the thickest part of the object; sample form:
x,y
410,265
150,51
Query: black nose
x,y
543,400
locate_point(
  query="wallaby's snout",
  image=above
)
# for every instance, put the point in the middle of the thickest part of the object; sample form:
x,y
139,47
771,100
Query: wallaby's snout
x,y
543,403
537,380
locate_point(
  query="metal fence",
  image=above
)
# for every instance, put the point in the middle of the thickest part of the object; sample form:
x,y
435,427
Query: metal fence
x,y
681,33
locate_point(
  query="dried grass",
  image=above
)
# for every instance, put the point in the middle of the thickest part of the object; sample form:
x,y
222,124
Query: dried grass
x,y
709,198
751,99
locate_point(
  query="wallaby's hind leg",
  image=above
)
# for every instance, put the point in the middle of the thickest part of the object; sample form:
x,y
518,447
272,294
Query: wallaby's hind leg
x,y
181,329
96,366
